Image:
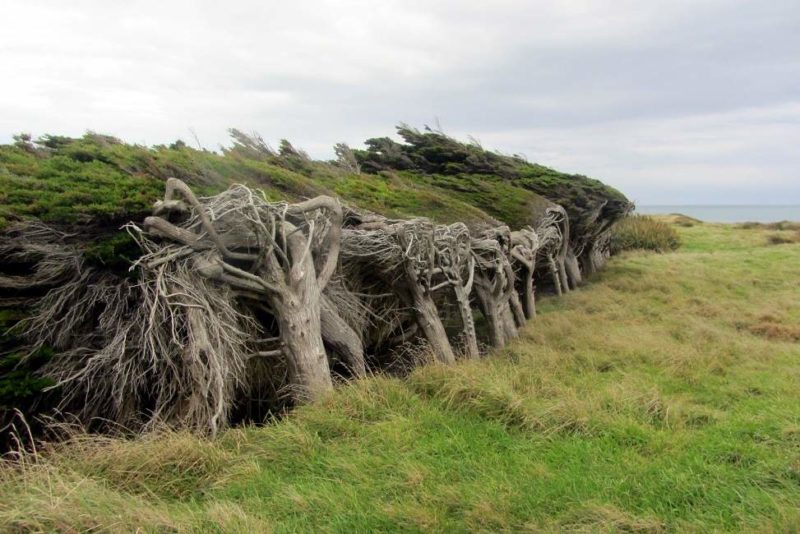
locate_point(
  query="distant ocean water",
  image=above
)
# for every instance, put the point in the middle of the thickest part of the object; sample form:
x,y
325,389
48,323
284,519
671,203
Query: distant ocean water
x,y
728,214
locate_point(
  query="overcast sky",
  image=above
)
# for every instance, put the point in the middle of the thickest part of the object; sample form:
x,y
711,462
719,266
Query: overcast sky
x,y
679,101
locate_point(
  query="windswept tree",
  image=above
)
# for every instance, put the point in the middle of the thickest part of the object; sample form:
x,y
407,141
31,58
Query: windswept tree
x,y
494,284
591,207
455,267
346,158
524,248
403,254
276,257
552,248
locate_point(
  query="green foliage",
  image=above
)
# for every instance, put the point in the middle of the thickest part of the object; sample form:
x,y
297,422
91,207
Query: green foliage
x,y
433,152
20,387
401,196
100,181
115,252
73,181
640,232
499,198
592,206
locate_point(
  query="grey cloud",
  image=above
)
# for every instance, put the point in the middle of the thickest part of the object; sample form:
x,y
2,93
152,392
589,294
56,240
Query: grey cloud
x,y
672,101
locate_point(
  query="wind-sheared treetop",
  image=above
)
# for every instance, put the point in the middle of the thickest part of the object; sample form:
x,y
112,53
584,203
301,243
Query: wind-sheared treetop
x,y
592,206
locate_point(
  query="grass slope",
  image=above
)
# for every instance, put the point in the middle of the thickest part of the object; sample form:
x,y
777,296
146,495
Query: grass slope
x,y
663,396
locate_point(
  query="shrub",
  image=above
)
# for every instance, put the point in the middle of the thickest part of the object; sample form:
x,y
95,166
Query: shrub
x,y
783,239
643,233
780,226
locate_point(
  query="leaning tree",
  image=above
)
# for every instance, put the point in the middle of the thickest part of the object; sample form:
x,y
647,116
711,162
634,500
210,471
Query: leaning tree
x,y
230,292
524,247
403,255
276,258
552,249
494,284
455,267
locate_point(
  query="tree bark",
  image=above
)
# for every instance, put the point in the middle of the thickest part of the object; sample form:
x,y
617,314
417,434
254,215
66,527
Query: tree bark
x,y
298,313
528,295
510,330
488,307
427,316
342,339
301,339
572,269
516,309
467,322
554,272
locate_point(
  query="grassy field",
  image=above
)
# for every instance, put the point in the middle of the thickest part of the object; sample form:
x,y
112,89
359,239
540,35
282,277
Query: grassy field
x,y
663,396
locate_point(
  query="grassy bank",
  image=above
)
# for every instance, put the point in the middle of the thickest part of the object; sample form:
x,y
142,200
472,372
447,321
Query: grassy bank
x,y
662,396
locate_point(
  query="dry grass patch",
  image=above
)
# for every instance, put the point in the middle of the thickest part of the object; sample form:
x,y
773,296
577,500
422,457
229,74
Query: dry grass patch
x,y
45,498
776,331
168,464
607,518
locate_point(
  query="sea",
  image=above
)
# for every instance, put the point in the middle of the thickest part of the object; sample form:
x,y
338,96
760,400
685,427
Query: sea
x,y
729,214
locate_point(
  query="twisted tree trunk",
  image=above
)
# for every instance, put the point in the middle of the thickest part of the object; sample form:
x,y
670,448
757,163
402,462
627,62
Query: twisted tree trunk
x,y
299,324
494,319
471,350
525,245
255,249
426,312
494,284
515,307
572,269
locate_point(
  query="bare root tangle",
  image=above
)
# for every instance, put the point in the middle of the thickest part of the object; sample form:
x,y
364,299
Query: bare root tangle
x,y
404,255
494,283
37,251
114,352
275,257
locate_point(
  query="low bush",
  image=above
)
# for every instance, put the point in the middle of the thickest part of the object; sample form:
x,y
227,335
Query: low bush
x,y
643,233
780,226
783,238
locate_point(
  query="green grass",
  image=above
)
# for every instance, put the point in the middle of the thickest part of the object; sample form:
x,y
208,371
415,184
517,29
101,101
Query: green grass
x,y
663,396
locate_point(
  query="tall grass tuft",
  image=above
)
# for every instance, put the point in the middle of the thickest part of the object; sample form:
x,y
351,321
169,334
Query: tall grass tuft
x,y
640,232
